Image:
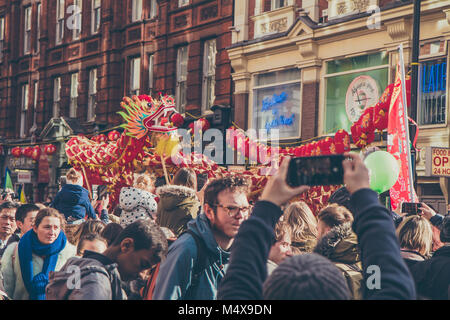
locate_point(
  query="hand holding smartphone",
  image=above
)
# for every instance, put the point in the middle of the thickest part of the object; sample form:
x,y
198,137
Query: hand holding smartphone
x,y
316,171
411,208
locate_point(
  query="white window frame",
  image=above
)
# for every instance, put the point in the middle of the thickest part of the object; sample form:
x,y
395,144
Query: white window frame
x,y
78,16
56,96
73,95
209,74
38,25
151,60
2,36
153,9
24,109
182,3
27,30
181,85
277,4
60,10
135,76
136,10
96,16
92,94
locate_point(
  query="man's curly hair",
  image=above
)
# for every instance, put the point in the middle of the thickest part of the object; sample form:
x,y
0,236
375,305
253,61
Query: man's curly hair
x,y
231,182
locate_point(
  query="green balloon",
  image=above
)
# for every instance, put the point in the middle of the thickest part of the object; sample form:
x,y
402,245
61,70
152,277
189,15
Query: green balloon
x,y
383,170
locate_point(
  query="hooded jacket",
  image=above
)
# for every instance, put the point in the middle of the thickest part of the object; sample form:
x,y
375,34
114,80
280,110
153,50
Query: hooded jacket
x,y
73,201
98,276
177,206
12,273
340,246
176,272
136,204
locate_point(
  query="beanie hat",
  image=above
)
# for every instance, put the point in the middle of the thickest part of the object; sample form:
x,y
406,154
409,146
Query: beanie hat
x,y
445,229
306,277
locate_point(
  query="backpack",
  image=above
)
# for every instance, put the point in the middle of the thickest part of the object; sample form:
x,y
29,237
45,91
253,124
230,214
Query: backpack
x,y
354,277
199,266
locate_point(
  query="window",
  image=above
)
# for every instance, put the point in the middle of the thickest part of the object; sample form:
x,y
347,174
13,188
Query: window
x,y
73,95
24,109
27,29
276,4
96,16
59,21
209,74
351,86
432,92
150,73
182,3
136,10
182,59
135,76
276,97
38,28
92,92
153,9
77,16
36,94
56,96
2,36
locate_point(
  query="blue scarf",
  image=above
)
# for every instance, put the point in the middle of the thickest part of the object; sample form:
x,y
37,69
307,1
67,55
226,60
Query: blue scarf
x,y
29,244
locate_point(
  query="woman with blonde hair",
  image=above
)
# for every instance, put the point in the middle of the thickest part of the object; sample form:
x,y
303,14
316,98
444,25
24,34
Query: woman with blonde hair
x,y
415,235
138,202
303,226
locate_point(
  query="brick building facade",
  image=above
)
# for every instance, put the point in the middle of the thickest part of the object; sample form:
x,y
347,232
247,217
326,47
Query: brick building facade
x,y
66,64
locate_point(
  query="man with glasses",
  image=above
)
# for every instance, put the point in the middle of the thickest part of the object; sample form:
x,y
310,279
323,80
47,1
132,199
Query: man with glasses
x,y
198,259
7,224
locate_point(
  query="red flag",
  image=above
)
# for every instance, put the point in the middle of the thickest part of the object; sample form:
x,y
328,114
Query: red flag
x,y
398,145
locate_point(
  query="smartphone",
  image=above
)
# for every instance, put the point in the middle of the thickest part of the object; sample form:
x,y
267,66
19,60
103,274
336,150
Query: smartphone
x,y
316,171
411,208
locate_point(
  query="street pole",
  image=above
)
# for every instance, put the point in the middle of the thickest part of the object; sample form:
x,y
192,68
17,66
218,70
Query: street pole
x,y
415,77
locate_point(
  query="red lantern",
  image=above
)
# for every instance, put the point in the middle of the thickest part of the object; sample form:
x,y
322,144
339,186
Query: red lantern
x,y
36,153
177,119
113,135
16,152
27,152
101,138
342,141
49,149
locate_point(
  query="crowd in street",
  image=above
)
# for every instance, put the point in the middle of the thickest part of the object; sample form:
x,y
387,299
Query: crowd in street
x,y
179,241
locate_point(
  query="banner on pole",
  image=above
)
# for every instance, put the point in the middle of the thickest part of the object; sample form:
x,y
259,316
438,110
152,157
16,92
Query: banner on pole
x,y
398,142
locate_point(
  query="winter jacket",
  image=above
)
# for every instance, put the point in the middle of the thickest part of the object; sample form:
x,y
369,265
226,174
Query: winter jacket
x,y
304,246
340,246
12,274
73,201
177,206
99,280
136,204
432,276
376,237
176,272
380,249
249,255
411,257
13,238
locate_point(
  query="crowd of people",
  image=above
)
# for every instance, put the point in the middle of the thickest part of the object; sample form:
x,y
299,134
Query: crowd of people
x,y
180,241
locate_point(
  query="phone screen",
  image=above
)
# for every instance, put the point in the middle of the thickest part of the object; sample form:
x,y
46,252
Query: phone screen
x,y
316,171
410,208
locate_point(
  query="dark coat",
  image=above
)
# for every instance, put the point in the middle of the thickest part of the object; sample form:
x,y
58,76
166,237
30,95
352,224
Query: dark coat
x,y
432,276
73,201
99,280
